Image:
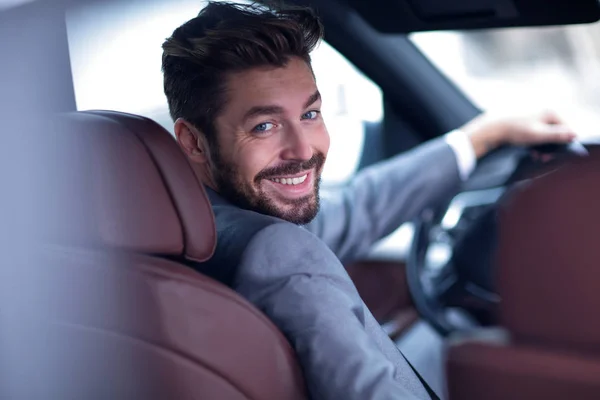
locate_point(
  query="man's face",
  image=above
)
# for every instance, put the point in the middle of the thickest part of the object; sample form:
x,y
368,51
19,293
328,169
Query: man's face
x,y
272,142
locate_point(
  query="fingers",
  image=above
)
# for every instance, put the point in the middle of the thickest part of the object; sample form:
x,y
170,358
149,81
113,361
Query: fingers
x,y
556,127
546,128
555,138
549,134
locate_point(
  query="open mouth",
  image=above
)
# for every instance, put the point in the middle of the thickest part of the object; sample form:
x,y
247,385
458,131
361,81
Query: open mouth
x,y
292,186
290,181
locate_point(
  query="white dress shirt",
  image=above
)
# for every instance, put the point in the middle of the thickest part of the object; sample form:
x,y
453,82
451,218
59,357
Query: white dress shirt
x,y
464,152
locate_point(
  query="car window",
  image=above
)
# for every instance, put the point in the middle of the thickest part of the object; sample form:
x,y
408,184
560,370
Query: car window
x,y
115,49
521,69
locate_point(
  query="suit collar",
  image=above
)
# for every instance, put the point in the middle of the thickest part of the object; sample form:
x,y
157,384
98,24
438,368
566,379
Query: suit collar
x,y
215,198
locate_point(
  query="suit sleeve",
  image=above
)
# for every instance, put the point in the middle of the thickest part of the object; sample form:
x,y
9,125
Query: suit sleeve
x,y
293,277
382,197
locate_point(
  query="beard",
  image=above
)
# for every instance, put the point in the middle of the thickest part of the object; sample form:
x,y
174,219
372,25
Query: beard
x,y
249,195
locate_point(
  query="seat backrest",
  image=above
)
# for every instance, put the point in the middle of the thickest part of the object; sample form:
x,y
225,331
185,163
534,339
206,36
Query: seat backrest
x,y
115,312
549,281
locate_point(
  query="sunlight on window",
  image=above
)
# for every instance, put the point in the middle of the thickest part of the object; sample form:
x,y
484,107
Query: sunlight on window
x,y
346,91
525,70
349,99
116,53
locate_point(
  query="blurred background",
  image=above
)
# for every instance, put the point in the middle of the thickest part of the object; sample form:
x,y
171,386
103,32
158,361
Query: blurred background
x,y
523,69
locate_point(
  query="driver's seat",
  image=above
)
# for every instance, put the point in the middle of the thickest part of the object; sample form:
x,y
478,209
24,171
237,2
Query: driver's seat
x,y
105,307
549,281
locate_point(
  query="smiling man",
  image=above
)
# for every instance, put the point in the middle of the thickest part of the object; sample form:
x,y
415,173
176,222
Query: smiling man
x,y
246,107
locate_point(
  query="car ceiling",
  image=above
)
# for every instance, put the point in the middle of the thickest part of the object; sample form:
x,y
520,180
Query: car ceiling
x,y
394,16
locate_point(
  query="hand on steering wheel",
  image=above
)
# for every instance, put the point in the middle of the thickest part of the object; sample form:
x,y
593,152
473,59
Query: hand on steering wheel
x,y
489,132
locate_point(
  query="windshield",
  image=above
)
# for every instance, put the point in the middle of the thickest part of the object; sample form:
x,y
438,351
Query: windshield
x,y
525,69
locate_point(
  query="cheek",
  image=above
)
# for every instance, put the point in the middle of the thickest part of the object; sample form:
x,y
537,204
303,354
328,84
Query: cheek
x,y
322,140
253,159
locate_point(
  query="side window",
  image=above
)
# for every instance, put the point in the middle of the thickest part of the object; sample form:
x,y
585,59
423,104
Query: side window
x,y
115,49
349,100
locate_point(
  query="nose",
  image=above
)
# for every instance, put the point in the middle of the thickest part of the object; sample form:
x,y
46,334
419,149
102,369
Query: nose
x,y
296,145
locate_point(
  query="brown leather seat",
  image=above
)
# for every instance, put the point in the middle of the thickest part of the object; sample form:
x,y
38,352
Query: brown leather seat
x,y
549,280
115,313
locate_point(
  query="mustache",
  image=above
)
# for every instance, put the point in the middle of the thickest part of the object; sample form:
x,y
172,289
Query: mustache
x,y
317,160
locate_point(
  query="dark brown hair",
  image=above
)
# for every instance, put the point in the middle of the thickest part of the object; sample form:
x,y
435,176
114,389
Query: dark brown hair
x,y
225,38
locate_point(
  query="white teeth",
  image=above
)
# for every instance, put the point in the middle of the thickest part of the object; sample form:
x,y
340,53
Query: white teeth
x,y
290,181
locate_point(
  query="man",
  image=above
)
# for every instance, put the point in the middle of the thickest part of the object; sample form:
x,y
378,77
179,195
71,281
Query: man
x,y
247,114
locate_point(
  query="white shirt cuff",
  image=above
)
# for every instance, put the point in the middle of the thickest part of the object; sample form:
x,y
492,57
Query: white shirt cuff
x,y
464,152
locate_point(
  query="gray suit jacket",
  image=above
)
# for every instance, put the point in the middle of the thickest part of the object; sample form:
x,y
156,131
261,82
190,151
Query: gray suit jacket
x,y
296,277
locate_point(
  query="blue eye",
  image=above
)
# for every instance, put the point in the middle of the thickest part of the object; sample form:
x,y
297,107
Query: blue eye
x,y
264,127
311,115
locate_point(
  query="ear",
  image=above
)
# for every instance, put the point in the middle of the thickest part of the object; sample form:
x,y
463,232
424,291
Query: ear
x,y
191,141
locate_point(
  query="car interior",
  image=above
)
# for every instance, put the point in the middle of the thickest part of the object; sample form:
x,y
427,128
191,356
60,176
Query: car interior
x,y
491,295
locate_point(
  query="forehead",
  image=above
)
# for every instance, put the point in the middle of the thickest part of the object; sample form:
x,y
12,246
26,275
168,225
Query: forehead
x,y
287,86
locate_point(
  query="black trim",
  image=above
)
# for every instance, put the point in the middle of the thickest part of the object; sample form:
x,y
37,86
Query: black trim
x,y
429,390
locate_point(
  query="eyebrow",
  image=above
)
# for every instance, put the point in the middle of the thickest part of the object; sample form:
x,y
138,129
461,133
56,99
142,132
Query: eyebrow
x,y
271,110
312,99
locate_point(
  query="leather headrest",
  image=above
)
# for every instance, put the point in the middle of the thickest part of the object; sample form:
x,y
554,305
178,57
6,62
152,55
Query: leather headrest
x,y
549,260
120,181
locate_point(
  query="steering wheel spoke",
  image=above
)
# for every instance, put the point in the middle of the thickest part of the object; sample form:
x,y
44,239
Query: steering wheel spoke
x,y
446,285
450,291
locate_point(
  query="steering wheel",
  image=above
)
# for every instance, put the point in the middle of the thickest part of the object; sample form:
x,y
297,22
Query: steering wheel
x,y
450,263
